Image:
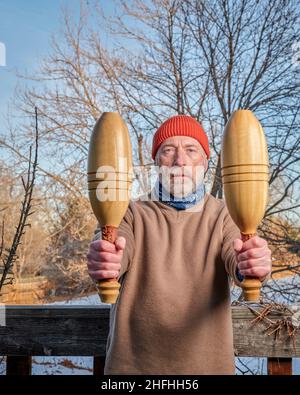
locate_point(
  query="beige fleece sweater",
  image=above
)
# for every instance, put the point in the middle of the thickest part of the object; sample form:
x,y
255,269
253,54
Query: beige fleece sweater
x,y
173,313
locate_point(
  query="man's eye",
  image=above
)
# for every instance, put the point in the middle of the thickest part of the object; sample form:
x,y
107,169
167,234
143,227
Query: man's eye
x,y
191,150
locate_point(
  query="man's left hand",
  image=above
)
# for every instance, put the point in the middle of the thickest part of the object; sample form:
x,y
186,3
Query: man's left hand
x,y
254,257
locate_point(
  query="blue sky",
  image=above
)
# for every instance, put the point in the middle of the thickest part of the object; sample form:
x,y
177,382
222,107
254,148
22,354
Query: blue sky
x,y
26,27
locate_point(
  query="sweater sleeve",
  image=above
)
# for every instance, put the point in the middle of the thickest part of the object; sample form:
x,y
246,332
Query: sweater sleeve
x,y
230,233
125,230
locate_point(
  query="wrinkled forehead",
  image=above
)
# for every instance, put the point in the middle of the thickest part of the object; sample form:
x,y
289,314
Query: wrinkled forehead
x,y
181,141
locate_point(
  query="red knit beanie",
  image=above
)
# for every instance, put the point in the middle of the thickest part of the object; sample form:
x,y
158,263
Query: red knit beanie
x,y
180,125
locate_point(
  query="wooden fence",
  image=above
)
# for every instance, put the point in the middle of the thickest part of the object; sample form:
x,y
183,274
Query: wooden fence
x,y
82,331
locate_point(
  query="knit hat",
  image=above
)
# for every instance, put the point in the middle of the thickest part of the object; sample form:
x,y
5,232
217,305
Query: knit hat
x,y
180,125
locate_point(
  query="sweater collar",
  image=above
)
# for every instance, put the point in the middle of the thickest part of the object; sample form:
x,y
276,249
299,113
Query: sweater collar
x,y
179,203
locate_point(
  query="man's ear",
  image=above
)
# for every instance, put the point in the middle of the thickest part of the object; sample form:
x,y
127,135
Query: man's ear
x,y
206,166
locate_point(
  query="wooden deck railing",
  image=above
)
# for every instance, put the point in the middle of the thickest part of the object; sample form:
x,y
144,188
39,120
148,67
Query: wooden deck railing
x,y
82,331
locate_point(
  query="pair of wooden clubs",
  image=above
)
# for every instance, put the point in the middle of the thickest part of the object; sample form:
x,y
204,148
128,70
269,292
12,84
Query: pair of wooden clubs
x,y
245,170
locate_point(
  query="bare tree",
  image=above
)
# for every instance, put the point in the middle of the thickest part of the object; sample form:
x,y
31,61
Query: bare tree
x,y
207,59
203,58
246,47
65,261
9,255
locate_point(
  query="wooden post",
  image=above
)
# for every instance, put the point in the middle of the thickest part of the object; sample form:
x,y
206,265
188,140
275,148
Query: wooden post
x,y
99,366
279,366
18,366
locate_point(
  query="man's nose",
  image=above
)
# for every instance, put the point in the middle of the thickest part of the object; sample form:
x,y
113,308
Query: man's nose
x,y
180,158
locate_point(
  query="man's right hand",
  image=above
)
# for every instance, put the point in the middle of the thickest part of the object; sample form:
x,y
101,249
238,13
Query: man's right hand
x,y
104,258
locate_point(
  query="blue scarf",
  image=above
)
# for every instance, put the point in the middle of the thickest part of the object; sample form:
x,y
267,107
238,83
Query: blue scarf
x,y
179,203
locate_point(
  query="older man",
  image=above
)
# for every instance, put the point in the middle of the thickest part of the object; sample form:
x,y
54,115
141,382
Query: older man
x,y
173,258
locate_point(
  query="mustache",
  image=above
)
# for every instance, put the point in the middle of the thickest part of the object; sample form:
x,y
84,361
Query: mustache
x,y
176,171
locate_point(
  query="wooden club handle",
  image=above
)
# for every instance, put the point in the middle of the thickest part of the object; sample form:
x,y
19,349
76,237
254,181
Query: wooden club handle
x,y
251,285
108,289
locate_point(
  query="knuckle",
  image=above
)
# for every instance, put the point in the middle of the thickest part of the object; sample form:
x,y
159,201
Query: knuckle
x,y
255,271
250,263
106,266
259,241
101,244
261,272
250,254
252,271
102,274
103,266
103,256
110,273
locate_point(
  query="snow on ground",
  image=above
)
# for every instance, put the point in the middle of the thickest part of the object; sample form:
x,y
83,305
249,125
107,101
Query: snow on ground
x,y
84,365
90,299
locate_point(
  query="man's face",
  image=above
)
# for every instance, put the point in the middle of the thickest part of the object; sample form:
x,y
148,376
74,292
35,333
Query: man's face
x,y
183,163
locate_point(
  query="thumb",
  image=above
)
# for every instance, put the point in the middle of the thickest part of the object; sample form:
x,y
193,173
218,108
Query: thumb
x,y
237,245
120,243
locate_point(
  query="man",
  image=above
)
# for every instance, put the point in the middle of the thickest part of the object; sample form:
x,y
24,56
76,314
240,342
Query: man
x,y
173,257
